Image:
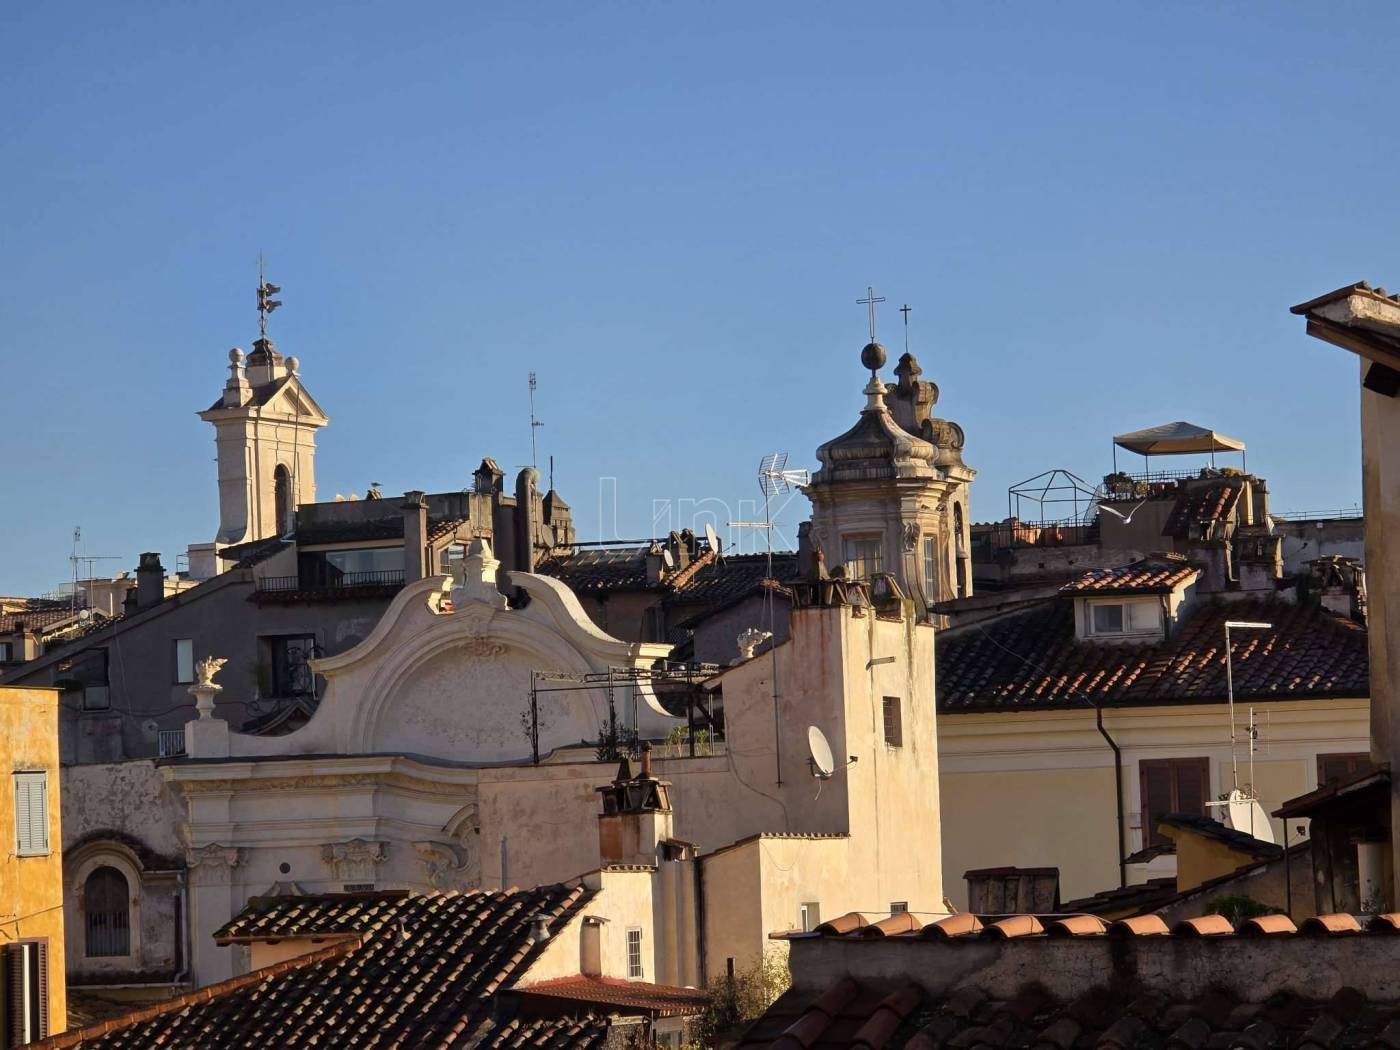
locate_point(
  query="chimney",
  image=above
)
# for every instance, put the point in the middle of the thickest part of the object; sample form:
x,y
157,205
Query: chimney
x,y
415,535
150,580
1008,891
636,820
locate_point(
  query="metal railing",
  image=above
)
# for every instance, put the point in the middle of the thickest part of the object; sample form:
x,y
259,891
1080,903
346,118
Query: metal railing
x,y
1066,533
171,742
343,581
1344,513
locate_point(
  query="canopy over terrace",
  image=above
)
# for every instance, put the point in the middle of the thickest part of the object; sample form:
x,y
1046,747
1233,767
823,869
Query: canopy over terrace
x,y
1176,439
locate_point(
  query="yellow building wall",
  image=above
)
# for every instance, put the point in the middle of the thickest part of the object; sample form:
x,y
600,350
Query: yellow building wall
x,y
1031,819
31,888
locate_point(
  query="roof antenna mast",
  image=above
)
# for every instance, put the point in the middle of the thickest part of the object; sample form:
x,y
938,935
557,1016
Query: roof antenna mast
x,y
535,424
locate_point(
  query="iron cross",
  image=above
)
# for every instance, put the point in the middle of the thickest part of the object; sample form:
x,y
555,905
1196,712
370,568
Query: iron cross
x,y
870,300
905,311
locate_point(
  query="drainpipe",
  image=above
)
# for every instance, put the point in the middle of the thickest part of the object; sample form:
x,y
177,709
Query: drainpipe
x,y
1118,793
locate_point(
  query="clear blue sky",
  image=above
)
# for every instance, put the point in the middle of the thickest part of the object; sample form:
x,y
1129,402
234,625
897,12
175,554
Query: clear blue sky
x,y
1099,214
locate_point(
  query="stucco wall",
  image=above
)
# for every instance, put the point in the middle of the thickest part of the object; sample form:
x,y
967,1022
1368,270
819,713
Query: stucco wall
x,y
1035,789
1305,541
31,888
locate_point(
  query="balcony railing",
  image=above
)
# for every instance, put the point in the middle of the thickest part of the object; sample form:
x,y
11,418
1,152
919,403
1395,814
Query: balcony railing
x,y
344,581
171,742
1342,513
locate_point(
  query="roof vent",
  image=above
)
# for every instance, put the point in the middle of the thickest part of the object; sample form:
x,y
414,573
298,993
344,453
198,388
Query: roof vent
x,y
539,929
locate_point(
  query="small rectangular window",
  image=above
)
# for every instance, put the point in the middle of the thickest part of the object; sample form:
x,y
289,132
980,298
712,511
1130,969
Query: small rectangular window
x,y
894,722
861,555
1108,619
7,652
930,568
898,907
32,814
634,953
184,661
359,887
1171,785
809,916
1333,768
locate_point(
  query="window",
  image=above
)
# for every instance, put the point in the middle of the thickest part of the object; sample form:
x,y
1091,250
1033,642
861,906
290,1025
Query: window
x,y
7,652
26,991
86,673
351,567
894,722
634,953
291,674
282,498
898,907
1171,785
930,569
450,558
107,913
359,887
1123,618
861,555
809,916
32,814
184,660
961,548
1334,768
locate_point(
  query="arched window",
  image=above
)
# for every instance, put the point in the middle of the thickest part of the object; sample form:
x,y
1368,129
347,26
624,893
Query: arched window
x,y
960,547
107,913
282,491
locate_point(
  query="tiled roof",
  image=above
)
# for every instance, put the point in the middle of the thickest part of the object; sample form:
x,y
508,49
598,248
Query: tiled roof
x,y
851,1014
408,971
35,614
1159,574
611,993
246,555
1236,840
1120,899
387,528
1201,504
440,527
1032,659
705,580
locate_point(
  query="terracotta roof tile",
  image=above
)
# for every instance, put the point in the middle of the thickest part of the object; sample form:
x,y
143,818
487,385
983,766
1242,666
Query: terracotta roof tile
x,y
409,971
607,992
1032,659
1198,505
1155,575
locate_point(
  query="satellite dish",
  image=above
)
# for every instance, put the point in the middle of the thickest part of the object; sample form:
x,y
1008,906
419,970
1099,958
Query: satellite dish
x,y
669,561
712,539
823,765
84,615
1246,815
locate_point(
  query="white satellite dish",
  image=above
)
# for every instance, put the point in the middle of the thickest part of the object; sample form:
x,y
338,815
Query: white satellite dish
x,y
84,615
823,765
1246,815
712,539
667,559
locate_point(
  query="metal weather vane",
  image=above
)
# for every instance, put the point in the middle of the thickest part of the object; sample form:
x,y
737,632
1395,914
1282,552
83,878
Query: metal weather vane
x,y
266,302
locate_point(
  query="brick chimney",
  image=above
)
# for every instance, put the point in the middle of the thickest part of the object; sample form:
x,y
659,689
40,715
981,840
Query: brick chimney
x,y
636,818
150,580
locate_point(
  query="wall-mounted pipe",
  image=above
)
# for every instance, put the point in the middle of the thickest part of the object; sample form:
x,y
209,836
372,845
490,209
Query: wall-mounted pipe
x,y
1118,795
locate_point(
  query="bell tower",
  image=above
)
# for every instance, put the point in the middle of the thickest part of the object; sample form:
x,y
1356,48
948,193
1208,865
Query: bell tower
x,y
891,493
265,425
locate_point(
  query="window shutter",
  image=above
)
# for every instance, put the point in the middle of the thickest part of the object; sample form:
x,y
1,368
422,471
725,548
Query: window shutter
x,y
41,986
14,994
31,814
1192,785
1156,799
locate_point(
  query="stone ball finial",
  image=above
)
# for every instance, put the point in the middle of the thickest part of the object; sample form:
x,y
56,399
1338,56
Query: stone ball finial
x,y
873,356
293,365
235,356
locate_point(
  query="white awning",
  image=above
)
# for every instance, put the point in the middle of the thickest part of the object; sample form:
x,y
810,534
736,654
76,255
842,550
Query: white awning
x,y
1173,439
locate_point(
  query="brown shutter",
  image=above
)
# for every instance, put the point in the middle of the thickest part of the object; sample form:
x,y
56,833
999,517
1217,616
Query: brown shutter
x,y
1192,785
41,981
14,994
1156,795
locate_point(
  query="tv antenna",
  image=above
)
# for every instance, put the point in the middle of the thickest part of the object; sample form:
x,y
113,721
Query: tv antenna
x,y
773,478
76,560
535,424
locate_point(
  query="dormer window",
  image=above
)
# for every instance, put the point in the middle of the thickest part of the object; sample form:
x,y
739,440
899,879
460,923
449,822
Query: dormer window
x,y
1125,617
862,556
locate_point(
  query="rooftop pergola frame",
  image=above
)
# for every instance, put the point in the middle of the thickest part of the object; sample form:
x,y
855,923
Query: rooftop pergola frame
x,y
1058,488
